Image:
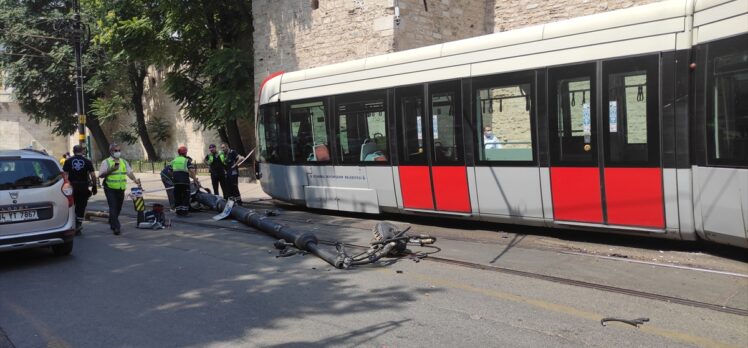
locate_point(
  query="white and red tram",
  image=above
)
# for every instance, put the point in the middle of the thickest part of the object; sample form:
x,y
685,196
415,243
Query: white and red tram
x,y
632,121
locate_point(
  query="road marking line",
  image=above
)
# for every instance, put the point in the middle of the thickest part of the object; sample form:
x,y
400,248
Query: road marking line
x,y
42,328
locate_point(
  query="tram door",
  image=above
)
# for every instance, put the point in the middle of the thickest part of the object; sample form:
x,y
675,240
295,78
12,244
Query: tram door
x,y
604,137
432,164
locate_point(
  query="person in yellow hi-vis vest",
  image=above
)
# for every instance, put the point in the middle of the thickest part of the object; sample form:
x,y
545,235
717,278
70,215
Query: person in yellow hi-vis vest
x,y
183,169
216,161
115,171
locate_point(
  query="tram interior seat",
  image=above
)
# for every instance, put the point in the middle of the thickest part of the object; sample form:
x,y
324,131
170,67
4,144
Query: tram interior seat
x,y
370,151
508,154
321,153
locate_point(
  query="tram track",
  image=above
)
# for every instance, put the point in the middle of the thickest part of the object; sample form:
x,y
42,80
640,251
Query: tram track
x,y
505,270
267,204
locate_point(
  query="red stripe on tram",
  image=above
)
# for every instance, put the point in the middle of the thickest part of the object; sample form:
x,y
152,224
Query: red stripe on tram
x,y
415,185
634,197
451,189
576,194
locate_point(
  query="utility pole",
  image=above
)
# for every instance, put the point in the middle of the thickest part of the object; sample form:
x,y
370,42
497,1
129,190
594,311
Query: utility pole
x,y
79,93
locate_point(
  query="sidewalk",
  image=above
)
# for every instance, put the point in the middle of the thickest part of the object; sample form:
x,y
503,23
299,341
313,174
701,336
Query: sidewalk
x,y
250,191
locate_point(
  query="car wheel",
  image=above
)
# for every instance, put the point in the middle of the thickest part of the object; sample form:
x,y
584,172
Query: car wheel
x,y
63,249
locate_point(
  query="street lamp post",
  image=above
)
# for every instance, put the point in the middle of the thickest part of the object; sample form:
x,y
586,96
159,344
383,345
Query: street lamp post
x,y
79,93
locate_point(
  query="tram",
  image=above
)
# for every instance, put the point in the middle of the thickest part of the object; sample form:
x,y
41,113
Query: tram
x,y
632,121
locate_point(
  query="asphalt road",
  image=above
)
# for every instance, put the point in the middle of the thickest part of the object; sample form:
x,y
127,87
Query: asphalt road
x,y
193,286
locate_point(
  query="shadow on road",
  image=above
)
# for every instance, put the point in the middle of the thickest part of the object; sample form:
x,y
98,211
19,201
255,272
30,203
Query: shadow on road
x,y
196,289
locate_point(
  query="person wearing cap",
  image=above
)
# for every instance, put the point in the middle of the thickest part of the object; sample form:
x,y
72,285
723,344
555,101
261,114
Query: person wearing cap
x,y
79,171
216,161
115,171
183,169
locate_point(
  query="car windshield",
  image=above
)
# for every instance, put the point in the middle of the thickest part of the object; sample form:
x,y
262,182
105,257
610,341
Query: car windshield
x,y
19,173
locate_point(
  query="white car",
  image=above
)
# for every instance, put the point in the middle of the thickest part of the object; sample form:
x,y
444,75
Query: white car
x,y
36,203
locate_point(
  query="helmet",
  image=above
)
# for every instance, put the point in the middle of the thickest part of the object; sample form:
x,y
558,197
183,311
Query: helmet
x,y
182,150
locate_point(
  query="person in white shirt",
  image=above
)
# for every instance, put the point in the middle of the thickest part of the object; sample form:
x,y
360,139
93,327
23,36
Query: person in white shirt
x,y
490,141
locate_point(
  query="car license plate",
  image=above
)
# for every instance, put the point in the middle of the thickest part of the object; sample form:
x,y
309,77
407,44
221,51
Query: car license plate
x,y
18,216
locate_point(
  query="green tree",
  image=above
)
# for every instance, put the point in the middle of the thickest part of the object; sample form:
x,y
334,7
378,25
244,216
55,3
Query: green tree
x,y
39,62
212,67
130,33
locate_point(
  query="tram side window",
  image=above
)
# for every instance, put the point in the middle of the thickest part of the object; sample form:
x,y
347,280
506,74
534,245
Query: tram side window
x,y
411,116
627,116
575,119
268,134
727,118
308,132
445,127
362,132
504,114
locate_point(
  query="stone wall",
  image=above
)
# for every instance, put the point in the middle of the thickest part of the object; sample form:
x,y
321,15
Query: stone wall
x,y
514,14
290,35
17,131
438,22
156,103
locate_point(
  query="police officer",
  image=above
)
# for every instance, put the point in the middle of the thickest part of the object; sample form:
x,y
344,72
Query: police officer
x,y
80,172
232,173
217,166
115,171
183,170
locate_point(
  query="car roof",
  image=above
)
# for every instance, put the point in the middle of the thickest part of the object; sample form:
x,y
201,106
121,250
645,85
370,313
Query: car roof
x,y
24,153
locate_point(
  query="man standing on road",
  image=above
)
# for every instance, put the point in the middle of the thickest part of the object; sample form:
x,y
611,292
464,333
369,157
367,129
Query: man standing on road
x,y
232,173
80,172
217,165
183,169
115,171
167,178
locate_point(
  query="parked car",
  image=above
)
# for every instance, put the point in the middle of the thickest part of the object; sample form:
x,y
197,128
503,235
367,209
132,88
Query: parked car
x,y
36,203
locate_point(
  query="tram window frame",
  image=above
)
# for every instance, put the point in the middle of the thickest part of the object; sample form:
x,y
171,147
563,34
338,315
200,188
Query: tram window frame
x,y
716,50
568,72
361,99
420,158
614,153
265,111
513,79
453,87
301,159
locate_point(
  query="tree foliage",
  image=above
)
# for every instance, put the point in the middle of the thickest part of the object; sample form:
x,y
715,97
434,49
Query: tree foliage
x,y
206,44
211,55
130,33
39,62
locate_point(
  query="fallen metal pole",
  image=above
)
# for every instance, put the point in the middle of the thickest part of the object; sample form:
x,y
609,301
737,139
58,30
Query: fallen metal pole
x,y
302,240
